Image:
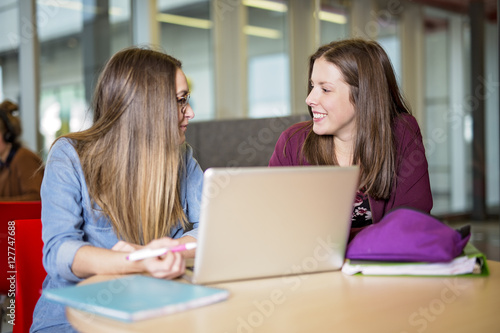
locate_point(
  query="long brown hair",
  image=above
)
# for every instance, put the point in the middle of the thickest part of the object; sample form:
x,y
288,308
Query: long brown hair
x,y
377,101
131,156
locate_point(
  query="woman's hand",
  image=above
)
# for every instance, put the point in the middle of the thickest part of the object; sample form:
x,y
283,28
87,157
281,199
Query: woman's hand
x,y
123,246
90,260
167,266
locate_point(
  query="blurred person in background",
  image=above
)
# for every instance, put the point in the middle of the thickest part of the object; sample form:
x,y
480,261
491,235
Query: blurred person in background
x,y
21,170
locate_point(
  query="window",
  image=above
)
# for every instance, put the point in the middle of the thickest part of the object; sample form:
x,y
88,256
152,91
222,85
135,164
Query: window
x,y
186,34
333,21
268,63
9,51
76,40
448,120
491,85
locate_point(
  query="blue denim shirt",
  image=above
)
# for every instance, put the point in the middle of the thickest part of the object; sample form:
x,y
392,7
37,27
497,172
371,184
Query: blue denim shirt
x,y
69,222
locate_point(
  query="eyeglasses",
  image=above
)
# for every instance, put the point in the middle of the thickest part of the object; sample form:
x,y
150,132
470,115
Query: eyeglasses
x,y
183,102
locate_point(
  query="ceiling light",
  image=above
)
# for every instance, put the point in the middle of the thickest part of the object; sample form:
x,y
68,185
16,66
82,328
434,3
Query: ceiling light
x,y
267,5
184,20
262,32
332,17
78,6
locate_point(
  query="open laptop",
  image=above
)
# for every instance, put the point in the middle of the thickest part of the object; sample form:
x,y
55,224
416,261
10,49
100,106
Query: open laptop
x,y
260,222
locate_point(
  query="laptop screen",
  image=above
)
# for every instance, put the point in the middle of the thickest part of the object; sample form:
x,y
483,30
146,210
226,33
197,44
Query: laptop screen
x,y
259,221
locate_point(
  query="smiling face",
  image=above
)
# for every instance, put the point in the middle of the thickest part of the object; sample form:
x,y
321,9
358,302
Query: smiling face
x,y
332,109
182,90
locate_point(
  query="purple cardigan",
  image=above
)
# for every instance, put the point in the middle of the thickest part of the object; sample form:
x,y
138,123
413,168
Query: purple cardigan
x,y
412,187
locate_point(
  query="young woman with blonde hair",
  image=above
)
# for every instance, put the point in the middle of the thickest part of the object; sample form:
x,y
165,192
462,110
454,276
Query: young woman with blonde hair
x,y
129,181
359,116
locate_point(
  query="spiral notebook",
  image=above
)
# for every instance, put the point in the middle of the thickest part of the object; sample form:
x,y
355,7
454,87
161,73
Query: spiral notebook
x,y
136,297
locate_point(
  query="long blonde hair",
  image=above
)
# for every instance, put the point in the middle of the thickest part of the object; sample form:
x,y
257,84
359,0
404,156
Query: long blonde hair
x,y
131,155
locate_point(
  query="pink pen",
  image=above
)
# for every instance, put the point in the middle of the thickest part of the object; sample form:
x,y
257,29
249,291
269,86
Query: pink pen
x,y
150,253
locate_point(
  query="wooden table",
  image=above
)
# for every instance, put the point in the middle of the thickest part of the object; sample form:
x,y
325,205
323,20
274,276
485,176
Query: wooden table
x,y
331,302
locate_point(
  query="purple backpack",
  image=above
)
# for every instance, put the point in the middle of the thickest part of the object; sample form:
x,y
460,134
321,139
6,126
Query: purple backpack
x,y
408,235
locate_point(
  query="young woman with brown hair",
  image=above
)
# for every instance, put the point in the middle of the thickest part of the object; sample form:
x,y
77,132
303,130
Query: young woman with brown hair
x,y
360,117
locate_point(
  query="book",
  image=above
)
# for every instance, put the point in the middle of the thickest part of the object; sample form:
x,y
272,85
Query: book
x,y
471,263
136,297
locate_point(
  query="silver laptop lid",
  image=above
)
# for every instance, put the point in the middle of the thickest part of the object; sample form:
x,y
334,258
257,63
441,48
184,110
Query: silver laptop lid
x,y
260,221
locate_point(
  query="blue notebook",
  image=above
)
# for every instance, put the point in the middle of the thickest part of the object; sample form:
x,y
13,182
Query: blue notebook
x,y
136,297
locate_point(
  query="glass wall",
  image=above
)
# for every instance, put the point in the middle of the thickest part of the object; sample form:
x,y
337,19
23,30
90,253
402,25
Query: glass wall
x,y
390,39
77,37
448,120
491,85
9,50
268,62
334,18
186,33
71,58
